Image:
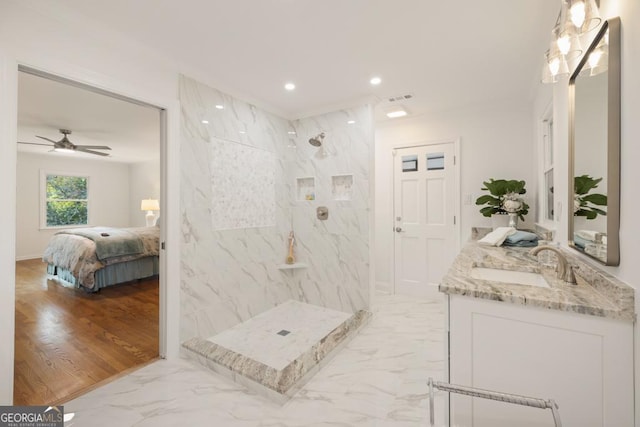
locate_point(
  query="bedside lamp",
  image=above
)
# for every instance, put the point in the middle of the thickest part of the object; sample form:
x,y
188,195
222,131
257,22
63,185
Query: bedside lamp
x,y
150,205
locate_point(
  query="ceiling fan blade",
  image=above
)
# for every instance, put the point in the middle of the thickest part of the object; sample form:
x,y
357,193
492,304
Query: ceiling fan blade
x,y
95,147
47,139
33,143
84,150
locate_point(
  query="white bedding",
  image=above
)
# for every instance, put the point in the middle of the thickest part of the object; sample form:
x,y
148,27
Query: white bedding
x,y
78,254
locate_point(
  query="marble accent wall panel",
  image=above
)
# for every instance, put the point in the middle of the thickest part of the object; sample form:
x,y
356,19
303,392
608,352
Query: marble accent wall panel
x,y
230,275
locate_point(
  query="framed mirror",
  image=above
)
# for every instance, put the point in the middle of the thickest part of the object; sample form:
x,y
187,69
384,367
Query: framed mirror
x,y
594,148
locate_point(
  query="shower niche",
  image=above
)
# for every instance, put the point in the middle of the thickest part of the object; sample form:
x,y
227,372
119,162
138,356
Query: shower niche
x,y
342,187
306,188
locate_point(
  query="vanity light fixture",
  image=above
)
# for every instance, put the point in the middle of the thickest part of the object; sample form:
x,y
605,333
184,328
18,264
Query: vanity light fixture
x,y
289,86
576,17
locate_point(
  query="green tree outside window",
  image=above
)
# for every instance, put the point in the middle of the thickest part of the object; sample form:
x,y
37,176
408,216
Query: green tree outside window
x,y
66,200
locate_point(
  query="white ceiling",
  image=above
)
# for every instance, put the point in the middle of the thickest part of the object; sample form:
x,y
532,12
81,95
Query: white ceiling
x,y
45,106
447,54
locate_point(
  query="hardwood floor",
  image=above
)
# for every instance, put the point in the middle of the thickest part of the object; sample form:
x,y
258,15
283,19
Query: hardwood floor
x,y
67,340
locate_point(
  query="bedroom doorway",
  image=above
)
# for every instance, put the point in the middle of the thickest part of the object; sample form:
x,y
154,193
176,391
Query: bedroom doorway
x,y
78,326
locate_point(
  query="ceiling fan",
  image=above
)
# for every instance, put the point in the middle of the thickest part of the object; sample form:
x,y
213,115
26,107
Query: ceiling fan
x,y
65,145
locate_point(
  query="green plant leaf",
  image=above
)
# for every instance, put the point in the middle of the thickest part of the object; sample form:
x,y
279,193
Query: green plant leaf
x,y
487,199
488,211
584,183
596,199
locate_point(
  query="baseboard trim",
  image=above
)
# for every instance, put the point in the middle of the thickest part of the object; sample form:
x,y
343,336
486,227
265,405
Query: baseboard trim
x,y
26,257
384,287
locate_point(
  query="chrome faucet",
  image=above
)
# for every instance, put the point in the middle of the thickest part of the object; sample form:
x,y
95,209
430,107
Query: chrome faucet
x,y
565,272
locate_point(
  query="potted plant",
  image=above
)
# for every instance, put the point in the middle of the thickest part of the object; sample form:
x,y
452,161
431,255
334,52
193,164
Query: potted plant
x,y
504,198
584,204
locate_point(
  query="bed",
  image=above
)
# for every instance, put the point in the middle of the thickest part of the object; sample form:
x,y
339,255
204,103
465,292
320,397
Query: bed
x,y
96,257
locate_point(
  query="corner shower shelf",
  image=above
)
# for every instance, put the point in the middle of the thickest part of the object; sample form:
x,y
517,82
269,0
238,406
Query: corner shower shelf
x,y
293,266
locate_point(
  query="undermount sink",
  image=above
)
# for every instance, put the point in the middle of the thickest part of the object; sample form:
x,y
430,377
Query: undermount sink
x,y
509,276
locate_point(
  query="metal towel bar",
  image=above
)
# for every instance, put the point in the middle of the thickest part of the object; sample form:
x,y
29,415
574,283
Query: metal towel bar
x,y
492,395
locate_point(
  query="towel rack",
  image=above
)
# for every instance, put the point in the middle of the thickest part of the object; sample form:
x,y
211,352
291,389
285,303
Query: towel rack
x,y
492,395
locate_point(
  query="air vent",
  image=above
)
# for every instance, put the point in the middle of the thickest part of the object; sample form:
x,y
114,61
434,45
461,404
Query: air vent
x,y
400,98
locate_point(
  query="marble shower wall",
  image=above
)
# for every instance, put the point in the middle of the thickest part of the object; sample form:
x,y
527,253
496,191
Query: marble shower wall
x,y
337,249
232,242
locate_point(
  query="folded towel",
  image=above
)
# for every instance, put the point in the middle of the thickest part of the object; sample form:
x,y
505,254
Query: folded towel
x,y
520,236
522,244
579,241
588,235
497,236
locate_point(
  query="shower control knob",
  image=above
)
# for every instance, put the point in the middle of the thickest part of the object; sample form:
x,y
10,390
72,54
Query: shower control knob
x,y
398,229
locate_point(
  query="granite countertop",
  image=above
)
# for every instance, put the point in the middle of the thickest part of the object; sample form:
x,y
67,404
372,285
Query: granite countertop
x,y
596,293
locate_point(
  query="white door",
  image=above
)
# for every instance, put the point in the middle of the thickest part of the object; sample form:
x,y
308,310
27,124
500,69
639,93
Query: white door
x,y
424,223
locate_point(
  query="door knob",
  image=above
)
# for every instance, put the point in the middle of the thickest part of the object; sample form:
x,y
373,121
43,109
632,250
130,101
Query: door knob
x,y
398,229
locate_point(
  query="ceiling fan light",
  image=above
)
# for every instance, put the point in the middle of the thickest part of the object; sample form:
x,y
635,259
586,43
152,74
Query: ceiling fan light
x,y
63,150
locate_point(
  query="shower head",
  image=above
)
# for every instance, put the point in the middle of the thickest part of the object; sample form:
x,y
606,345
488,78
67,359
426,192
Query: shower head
x,y
317,140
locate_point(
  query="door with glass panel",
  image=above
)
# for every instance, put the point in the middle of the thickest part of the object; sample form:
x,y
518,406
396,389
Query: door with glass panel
x,y
424,223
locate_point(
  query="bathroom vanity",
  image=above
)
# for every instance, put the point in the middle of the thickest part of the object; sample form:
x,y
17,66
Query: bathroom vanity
x,y
548,339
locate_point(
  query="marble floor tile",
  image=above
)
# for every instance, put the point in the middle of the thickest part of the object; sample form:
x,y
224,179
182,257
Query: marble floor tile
x,y
377,379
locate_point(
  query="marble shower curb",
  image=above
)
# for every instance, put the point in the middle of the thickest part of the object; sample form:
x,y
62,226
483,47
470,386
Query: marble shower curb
x,y
276,384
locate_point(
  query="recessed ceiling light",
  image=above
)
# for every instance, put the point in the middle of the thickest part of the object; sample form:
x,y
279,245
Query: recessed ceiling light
x,y
396,112
220,106
206,122
291,132
289,86
375,81
350,122
242,132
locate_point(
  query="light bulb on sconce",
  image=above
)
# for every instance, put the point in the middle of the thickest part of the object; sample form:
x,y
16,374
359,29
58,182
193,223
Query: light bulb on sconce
x,y
578,13
576,17
150,205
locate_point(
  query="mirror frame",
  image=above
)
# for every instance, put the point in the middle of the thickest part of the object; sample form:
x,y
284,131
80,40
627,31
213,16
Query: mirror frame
x,y
613,140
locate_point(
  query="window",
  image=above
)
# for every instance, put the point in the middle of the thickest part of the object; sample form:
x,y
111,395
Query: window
x,y
546,168
435,161
409,163
65,200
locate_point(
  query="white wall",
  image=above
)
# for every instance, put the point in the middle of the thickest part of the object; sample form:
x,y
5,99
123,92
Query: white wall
x,y
627,271
496,141
108,196
144,184
85,52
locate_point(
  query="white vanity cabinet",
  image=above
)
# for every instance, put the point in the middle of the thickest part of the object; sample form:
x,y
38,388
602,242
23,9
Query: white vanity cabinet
x,y
583,362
